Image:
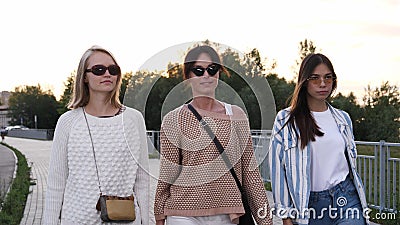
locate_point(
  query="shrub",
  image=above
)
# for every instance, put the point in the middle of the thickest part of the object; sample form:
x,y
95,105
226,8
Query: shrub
x,y
14,203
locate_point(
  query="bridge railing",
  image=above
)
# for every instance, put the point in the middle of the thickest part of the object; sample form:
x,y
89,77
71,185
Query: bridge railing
x,y
379,171
380,174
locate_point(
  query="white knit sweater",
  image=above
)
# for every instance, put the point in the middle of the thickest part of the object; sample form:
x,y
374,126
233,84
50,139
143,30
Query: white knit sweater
x,y
72,185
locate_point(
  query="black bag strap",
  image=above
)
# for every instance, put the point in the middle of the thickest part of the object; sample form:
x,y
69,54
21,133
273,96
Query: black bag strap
x,y
219,146
94,154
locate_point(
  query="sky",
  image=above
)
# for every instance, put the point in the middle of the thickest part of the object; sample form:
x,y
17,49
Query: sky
x,y
42,41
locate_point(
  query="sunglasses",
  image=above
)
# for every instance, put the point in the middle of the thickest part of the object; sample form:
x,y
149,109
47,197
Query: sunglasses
x,y
211,70
316,79
99,70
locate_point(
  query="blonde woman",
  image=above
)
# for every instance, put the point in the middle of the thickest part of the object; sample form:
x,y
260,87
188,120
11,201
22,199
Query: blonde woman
x,y
99,146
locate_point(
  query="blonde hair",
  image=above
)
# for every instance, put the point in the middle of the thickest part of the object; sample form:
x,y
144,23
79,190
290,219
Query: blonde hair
x,y
81,94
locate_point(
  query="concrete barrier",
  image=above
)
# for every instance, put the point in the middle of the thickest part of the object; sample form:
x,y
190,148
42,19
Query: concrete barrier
x,y
41,134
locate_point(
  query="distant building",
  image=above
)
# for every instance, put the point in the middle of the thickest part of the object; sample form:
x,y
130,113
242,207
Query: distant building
x,y
4,119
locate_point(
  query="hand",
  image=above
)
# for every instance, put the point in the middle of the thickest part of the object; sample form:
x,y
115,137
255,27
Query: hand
x,y
160,222
287,221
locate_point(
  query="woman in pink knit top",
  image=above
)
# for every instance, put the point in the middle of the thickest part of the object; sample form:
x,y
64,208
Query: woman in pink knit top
x,y
195,185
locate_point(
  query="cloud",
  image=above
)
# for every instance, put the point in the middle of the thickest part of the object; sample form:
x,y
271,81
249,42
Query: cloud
x,y
383,30
392,3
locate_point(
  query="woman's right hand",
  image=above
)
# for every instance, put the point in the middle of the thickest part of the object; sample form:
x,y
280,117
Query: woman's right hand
x,y
160,222
287,221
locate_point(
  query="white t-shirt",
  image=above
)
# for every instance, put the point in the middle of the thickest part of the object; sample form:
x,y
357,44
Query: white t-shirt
x,y
328,161
228,109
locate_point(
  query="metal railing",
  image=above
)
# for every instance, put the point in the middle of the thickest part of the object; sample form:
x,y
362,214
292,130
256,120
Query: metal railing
x,y
154,137
260,140
379,171
380,174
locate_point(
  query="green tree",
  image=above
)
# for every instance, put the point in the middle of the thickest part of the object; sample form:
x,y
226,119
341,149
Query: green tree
x,y
251,69
146,92
305,47
242,70
281,89
126,78
66,97
152,87
157,96
27,101
356,112
382,113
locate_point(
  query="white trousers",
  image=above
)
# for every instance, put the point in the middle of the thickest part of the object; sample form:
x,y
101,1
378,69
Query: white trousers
x,y
199,220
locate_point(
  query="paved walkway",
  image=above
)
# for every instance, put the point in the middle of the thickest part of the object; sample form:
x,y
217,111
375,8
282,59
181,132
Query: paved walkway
x,y
37,153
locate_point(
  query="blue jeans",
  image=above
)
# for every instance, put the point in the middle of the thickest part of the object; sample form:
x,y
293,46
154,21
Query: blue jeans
x,y
339,205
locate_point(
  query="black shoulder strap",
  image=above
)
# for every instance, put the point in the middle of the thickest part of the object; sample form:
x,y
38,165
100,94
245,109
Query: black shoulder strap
x,y
218,144
349,164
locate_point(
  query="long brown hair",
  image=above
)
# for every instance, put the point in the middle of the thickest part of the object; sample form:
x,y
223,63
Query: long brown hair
x,y
80,94
300,114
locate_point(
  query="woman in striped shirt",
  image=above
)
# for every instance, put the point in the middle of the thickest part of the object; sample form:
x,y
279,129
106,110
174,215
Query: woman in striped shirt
x,y
312,154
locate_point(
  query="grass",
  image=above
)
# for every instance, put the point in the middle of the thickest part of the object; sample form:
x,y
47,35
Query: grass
x,y
267,186
14,203
369,150
154,155
3,185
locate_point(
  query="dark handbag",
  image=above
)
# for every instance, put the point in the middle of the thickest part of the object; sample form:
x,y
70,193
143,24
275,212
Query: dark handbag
x,y
112,208
247,218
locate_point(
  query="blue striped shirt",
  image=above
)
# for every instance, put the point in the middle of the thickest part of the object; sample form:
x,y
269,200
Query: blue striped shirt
x,y
290,166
